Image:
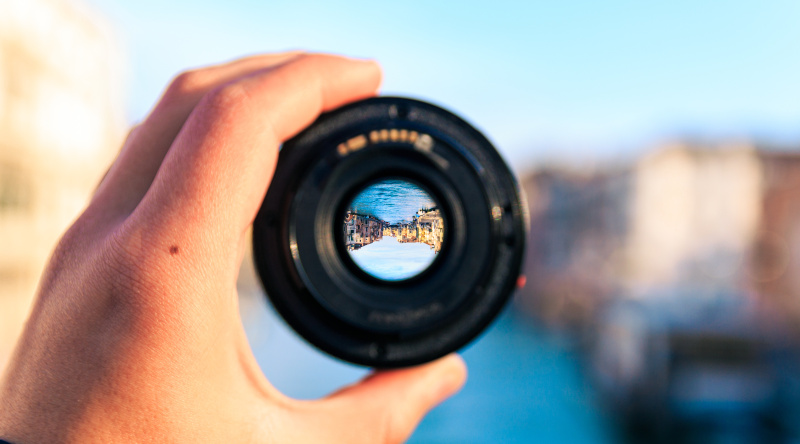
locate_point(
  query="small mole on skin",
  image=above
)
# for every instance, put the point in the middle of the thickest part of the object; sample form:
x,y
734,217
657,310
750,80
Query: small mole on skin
x,y
173,250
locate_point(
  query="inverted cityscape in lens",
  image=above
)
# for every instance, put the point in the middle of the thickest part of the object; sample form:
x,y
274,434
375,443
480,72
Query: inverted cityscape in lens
x,y
393,230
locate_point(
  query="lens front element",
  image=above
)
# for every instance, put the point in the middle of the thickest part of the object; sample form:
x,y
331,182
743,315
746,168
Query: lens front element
x,y
393,230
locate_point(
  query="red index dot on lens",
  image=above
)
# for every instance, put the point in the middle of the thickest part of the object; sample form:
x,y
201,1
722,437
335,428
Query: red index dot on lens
x,y
521,281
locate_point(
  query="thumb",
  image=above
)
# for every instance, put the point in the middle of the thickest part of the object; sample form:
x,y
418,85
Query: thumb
x,y
390,404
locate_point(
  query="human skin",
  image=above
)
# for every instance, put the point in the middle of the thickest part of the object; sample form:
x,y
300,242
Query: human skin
x,y
135,333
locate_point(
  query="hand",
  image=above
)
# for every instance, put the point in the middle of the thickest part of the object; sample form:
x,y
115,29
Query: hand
x,y
135,335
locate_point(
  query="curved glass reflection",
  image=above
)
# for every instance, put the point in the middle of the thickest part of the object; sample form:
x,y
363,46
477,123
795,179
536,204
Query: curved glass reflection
x,y
393,230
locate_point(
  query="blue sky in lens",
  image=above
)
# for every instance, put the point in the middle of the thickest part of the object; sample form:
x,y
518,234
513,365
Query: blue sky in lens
x,y
557,78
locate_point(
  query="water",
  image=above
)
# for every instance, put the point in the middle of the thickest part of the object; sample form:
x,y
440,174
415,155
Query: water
x,y
391,260
523,386
392,201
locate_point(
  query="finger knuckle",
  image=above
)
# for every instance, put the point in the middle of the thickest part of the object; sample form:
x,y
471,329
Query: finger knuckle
x,y
303,67
312,60
226,99
223,108
186,82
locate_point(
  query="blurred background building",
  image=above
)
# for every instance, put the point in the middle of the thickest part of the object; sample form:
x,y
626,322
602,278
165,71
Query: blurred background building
x,y
674,275
61,118
708,216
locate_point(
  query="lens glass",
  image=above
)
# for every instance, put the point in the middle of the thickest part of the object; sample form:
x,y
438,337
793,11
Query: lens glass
x,y
393,229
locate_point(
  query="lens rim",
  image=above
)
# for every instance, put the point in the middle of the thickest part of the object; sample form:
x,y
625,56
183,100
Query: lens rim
x,y
310,161
381,306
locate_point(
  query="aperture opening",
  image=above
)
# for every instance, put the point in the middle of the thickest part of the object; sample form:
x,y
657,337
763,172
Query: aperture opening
x,y
393,229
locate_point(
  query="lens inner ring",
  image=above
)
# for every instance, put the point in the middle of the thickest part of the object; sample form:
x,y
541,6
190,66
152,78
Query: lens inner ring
x,y
323,295
354,296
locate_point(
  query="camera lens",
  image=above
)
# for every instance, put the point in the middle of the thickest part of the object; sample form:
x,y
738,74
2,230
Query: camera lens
x,y
392,233
393,229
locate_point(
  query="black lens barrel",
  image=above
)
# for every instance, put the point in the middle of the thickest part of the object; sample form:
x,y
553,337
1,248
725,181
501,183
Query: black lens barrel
x,y
325,297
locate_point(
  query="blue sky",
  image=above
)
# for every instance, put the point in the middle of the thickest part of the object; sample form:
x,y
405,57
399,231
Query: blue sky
x,y
543,79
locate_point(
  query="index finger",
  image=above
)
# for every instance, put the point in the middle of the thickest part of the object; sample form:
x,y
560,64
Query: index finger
x,y
148,143
216,173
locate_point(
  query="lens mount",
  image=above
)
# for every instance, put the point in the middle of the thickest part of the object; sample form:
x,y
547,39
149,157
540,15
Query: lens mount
x,y
324,296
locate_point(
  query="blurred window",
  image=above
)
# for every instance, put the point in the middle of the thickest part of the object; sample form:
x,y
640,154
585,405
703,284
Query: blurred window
x,y
15,190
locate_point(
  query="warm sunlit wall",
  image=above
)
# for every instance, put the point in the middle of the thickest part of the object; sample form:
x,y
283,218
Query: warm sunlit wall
x,y
694,213
60,126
